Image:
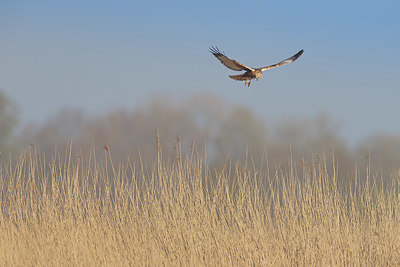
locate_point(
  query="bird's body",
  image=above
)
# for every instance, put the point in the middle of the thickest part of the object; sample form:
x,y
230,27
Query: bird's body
x,y
250,73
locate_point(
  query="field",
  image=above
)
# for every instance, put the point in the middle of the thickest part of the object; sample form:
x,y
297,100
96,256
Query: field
x,y
87,210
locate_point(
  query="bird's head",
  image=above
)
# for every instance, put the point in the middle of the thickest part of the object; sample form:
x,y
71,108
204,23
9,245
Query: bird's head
x,y
258,74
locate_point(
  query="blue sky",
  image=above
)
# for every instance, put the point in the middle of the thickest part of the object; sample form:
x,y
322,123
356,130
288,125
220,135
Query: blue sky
x,y
102,55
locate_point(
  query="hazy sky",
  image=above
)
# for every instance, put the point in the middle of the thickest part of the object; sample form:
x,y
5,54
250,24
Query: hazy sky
x,y
102,55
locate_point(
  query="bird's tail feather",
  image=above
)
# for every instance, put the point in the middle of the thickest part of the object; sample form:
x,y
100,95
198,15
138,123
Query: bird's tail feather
x,y
240,77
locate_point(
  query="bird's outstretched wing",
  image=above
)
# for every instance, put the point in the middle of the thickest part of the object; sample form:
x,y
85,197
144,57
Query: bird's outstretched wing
x,y
230,63
286,61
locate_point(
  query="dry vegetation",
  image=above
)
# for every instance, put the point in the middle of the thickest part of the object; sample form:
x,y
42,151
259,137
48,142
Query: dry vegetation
x,y
91,211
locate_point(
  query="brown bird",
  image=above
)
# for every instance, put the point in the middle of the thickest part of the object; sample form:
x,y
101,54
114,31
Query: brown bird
x,y
251,73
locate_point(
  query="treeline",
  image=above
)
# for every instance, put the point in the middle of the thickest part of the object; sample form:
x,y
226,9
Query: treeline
x,y
206,123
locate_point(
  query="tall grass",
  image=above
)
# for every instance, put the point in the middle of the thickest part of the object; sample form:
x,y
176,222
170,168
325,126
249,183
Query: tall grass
x,y
91,211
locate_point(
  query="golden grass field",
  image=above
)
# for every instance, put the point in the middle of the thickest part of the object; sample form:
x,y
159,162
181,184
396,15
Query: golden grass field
x,y
90,211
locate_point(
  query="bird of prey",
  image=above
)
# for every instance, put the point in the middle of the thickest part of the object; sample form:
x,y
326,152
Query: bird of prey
x,y
250,73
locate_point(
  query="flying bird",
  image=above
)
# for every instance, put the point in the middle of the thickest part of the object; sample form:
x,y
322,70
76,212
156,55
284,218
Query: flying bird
x,y
250,73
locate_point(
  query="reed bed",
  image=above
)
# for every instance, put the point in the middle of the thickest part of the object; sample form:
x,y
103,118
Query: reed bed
x,y
74,210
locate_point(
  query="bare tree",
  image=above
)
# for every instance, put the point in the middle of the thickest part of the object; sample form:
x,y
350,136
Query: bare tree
x,y
8,122
381,154
222,130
